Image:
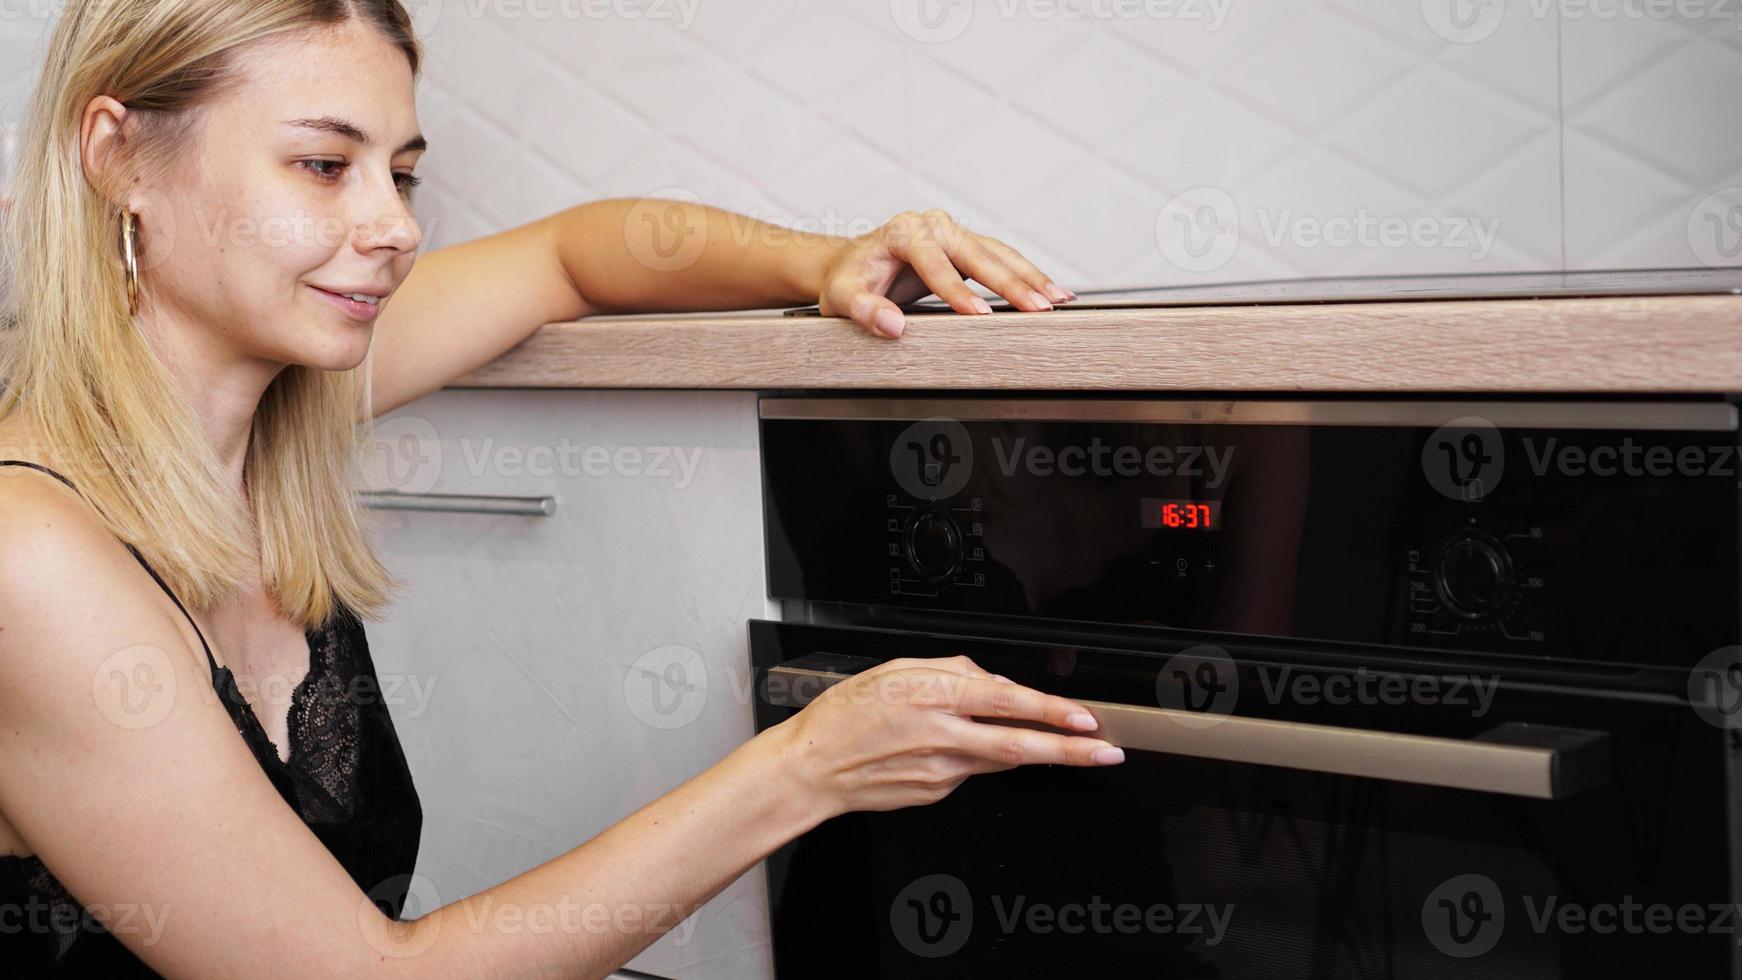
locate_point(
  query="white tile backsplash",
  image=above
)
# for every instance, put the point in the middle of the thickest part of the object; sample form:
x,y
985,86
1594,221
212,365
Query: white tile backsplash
x,y
1585,141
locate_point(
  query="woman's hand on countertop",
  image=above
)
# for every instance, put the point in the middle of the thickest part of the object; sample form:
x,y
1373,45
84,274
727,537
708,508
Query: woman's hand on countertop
x,y
917,253
904,734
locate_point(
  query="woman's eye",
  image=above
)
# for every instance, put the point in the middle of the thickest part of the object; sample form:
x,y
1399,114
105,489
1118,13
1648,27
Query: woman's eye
x,y
314,167
330,170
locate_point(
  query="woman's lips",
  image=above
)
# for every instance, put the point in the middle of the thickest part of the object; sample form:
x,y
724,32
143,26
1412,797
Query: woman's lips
x,y
361,312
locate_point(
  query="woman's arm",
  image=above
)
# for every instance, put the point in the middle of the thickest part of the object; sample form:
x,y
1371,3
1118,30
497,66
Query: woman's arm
x,y
638,255
463,306
613,896
126,776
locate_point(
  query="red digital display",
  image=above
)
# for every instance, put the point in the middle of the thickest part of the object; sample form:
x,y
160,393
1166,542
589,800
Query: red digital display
x,y
1193,515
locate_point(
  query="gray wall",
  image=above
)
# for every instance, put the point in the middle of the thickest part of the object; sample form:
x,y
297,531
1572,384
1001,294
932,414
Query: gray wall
x,y
1162,141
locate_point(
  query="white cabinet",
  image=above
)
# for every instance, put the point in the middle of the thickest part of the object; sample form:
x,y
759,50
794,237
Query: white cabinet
x,y
555,673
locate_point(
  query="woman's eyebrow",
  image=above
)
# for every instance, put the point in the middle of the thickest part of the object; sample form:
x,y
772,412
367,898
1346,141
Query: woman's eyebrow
x,y
331,124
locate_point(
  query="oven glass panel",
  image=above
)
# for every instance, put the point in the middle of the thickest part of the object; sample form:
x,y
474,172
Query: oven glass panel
x,y
1173,866
1591,545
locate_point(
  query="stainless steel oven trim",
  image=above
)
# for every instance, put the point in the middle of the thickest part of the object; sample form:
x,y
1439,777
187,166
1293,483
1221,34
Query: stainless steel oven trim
x,y
1546,764
1640,416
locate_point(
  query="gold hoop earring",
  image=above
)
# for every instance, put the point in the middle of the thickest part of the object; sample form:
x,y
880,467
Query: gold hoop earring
x,y
130,259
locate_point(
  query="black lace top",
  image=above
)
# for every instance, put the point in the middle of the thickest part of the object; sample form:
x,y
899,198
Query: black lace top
x,y
347,778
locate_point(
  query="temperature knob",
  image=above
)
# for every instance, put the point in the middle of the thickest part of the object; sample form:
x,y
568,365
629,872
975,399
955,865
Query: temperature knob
x,y
1473,574
934,544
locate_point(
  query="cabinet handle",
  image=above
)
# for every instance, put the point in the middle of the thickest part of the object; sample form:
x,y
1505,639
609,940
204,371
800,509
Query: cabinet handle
x,y
1536,761
459,503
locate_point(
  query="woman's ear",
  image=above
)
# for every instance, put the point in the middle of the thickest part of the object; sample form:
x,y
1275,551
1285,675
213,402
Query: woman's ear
x,y
102,144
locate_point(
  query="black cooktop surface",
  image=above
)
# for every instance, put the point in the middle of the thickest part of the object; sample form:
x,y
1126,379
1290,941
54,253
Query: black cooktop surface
x,y
1393,289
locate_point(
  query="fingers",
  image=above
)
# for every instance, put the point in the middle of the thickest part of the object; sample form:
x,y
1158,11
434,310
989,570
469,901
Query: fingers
x,y
1027,270
973,256
960,664
940,250
943,255
986,697
927,245
875,312
1006,745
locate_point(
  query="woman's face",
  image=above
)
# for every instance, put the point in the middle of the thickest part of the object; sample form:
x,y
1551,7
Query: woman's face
x,y
296,184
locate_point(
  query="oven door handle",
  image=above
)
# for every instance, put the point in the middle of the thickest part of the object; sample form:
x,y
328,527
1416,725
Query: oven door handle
x,y
1517,759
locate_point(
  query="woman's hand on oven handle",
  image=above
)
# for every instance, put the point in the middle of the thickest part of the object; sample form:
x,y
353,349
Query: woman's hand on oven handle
x,y
904,734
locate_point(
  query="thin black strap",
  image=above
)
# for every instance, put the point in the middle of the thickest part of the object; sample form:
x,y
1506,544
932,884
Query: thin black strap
x,y
154,576
39,466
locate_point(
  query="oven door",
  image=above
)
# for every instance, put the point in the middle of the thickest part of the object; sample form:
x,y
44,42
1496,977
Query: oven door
x,y
1283,811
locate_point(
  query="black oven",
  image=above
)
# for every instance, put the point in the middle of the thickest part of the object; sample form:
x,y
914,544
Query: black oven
x,y
1408,688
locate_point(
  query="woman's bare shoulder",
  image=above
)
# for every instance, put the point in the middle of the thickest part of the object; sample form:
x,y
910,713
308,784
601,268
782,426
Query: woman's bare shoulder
x,y
123,772
46,526
63,572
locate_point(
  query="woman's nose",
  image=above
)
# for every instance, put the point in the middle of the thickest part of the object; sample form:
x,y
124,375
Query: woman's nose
x,y
389,226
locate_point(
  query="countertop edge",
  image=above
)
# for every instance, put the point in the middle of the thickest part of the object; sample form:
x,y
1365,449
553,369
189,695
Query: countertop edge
x,y
1645,345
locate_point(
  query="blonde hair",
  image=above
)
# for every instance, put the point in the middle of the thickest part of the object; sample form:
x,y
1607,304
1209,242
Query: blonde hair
x,y
82,371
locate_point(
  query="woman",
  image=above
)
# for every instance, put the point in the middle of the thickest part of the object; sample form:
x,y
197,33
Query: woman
x,y
210,215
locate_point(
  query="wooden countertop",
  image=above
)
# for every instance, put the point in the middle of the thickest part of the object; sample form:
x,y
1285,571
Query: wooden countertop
x,y
1673,344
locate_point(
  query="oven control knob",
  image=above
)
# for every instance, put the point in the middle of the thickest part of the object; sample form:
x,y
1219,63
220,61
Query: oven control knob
x,y
1473,574
934,544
